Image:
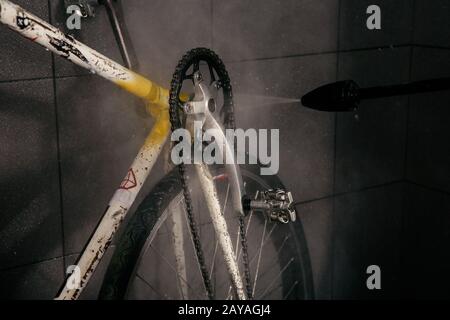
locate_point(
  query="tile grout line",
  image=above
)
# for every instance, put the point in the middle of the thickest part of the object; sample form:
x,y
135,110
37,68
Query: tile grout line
x,y
308,54
405,156
318,53
437,190
44,78
29,264
411,54
25,79
58,148
402,232
256,59
429,46
333,208
363,189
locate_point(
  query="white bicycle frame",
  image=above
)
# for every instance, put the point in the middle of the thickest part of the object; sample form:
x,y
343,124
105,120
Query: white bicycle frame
x,y
41,32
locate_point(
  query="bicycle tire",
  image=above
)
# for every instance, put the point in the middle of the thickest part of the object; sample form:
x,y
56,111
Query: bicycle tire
x,y
149,212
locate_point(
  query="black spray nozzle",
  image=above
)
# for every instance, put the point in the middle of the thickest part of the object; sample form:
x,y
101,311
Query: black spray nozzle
x,y
337,96
346,95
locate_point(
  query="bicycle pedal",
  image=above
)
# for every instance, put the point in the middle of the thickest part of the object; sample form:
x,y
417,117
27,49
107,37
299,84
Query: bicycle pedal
x,y
277,204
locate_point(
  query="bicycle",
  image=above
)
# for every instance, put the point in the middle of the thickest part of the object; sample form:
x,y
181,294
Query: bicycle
x,y
268,257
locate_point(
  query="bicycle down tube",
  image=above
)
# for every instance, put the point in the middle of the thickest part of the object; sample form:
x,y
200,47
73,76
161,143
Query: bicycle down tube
x,y
41,32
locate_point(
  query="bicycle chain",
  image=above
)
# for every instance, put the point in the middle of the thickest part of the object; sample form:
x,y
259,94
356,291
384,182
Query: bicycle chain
x,y
175,87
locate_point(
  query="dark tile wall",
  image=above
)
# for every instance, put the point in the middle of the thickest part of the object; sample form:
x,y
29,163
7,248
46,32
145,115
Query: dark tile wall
x,y
274,28
431,26
313,157
425,243
368,228
373,185
17,57
429,117
30,216
396,24
100,134
370,144
427,197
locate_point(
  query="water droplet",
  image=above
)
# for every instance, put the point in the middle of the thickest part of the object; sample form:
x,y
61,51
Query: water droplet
x,y
93,71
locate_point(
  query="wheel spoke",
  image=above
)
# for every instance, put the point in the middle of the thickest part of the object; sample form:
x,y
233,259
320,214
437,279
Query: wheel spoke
x,y
259,258
216,243
165,296
290,290
280,285
278,275
248,225
178,250
171,267
192,241
278,250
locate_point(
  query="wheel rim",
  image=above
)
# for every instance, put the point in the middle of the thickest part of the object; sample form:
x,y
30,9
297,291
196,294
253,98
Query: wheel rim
x,y
274,261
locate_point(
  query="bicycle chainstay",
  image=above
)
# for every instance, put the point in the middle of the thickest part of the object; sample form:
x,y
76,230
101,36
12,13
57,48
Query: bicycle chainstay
x,y
191,57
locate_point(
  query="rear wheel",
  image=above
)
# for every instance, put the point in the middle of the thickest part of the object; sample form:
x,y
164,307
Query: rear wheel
x,y
155,257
